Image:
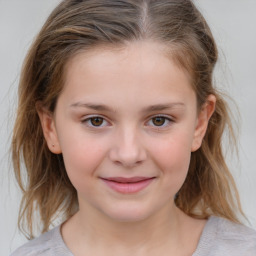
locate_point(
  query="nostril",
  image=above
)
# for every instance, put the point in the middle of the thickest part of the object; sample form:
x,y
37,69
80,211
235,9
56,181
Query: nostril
x,y
125,164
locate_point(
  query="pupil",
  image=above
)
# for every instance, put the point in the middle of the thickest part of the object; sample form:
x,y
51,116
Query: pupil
x,y
158,121
97,121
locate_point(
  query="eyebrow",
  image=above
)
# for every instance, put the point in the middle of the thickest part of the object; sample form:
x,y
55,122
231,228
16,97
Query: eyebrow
x,y
152,108
99,107
161,107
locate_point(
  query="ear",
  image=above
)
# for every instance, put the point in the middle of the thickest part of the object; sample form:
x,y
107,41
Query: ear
x,y
49,129
202,121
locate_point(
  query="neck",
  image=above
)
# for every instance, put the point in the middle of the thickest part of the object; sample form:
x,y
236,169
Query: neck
x,y
145,237
130,233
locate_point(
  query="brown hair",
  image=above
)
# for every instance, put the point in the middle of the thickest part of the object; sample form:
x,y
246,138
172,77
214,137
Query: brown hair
x,y
76,25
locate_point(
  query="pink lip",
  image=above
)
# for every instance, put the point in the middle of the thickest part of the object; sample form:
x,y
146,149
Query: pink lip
x,y
128,185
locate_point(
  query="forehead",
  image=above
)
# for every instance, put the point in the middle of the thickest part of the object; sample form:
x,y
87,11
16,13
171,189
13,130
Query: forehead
x,y
135,52
139,68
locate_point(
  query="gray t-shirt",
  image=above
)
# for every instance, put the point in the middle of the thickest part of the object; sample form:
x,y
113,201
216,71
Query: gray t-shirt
x,y
220,237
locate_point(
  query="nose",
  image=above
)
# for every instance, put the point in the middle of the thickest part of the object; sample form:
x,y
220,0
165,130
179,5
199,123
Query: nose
x,y
127,149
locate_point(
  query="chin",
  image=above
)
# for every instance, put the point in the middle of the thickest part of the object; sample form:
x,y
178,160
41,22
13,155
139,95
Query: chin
x,y
129,213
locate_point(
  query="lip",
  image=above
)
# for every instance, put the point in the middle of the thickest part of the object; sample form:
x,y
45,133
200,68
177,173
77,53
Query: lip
x,y
127,185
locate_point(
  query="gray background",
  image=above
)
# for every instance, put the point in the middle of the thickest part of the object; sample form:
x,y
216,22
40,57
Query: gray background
x,y
233,24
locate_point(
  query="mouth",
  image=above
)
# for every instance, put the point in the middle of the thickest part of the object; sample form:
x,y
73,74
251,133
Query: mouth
x,y
128,185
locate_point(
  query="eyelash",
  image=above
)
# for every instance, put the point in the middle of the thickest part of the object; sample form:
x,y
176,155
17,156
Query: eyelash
x,y
167,120
88,121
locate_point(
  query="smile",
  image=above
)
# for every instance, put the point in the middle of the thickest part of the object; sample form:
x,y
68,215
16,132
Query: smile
x,y
128,185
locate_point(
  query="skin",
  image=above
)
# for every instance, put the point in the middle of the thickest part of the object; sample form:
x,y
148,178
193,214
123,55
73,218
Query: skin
x,y
134,84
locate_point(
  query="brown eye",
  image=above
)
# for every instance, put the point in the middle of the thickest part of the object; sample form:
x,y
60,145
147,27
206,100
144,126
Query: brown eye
x,y
96,121
158,121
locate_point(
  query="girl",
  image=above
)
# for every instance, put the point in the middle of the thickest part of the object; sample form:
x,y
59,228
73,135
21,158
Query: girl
x,y
120,130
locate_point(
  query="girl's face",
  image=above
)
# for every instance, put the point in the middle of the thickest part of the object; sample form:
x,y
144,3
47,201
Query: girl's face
x,y
126,123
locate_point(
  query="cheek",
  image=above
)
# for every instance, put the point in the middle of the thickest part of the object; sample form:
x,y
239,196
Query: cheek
x,y
172,156
82,155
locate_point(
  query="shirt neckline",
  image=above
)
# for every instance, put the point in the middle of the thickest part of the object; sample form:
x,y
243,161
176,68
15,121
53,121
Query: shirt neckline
x,y
206,238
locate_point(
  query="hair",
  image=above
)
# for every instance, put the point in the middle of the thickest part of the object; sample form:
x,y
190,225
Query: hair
x,y
76,26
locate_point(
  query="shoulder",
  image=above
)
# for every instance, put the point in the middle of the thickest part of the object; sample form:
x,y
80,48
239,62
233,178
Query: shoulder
x,y
223,237
48,244
237,231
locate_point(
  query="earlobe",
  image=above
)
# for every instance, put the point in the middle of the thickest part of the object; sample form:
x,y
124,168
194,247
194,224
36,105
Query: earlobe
x,y
49,130
202,122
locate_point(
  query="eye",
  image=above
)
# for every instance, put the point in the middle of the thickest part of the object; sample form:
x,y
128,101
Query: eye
x,y
95,121
160,121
